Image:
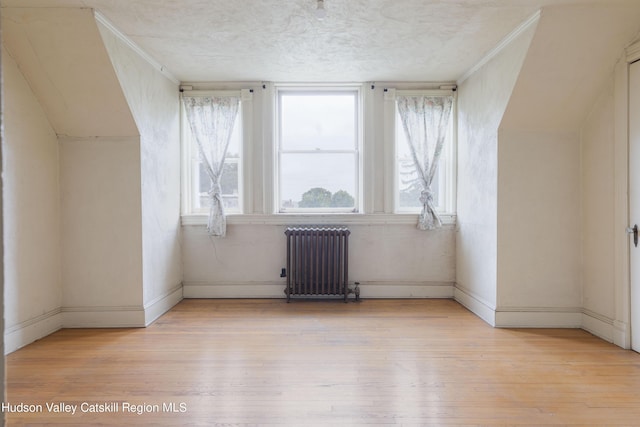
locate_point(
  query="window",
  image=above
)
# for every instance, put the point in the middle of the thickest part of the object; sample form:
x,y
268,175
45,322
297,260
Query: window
x,y
197,200
230,181
316,149
318,140
408,186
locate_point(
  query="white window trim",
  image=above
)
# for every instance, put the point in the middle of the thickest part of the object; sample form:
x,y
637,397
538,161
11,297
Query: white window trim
x,y
244,171
390,165
448,220
377,155
312,88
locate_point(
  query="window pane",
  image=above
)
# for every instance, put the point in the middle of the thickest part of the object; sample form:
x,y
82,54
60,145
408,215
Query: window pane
x,y
409,186
317,180
230,178
318,121
228,183
409,183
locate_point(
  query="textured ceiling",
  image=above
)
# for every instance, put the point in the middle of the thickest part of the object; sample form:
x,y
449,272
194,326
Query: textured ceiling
x,y
278,40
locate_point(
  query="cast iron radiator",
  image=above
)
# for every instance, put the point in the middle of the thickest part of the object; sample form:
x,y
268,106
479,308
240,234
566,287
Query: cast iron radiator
x,y
318,262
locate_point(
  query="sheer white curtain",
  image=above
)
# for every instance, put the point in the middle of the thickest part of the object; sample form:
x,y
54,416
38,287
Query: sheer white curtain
x,y
425,120
211,120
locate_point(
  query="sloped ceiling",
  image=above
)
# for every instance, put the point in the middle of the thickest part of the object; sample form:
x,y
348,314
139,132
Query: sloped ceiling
x,y
571,57
276,40
61,54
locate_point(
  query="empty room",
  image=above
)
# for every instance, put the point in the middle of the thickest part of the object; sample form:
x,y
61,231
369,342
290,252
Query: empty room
x,y
320,212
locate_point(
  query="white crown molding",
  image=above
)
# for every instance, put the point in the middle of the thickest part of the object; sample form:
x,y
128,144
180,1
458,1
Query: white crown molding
x,y
99,17
532,20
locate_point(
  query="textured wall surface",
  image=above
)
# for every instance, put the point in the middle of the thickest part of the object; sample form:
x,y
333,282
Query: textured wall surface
x,y
482,100
101,222
390,254
539,220
31,212
62,57
597,206
154,102
539,195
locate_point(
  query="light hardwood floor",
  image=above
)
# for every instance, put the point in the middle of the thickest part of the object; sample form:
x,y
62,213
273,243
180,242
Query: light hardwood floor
x,y
318,363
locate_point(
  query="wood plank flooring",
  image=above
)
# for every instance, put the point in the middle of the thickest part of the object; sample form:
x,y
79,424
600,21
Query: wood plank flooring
x,y
319,363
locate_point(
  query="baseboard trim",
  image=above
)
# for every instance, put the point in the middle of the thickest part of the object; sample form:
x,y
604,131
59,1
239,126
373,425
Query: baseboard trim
x,y
104,317
538,317
276,290
31,330
160,305
233,290
406,289
475,304
598,325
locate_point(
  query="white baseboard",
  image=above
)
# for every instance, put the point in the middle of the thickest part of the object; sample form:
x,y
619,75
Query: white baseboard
x,y
406,289
621,334
162,304
598,325
474,304
538,317
104,317
276,290
233,290
26,332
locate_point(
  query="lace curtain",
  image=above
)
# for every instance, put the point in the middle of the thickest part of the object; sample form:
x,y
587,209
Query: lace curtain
x,y
211,120
425,120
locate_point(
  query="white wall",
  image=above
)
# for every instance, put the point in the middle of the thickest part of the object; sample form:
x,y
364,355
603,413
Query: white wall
x,y
388,260
102,232
31,216
539,222
598,207
119,180
482,100
540,206
154,102
61,54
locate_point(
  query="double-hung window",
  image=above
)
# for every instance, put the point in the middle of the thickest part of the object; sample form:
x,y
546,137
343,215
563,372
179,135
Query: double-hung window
x,y
407,183
196,195
298,149
318,134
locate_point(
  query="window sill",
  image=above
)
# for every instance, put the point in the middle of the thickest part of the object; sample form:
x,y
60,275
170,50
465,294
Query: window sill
x,y
448,220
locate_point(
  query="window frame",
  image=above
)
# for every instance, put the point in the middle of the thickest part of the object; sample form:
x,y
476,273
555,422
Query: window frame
x,y
318,89
190,162
259,152
446,170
